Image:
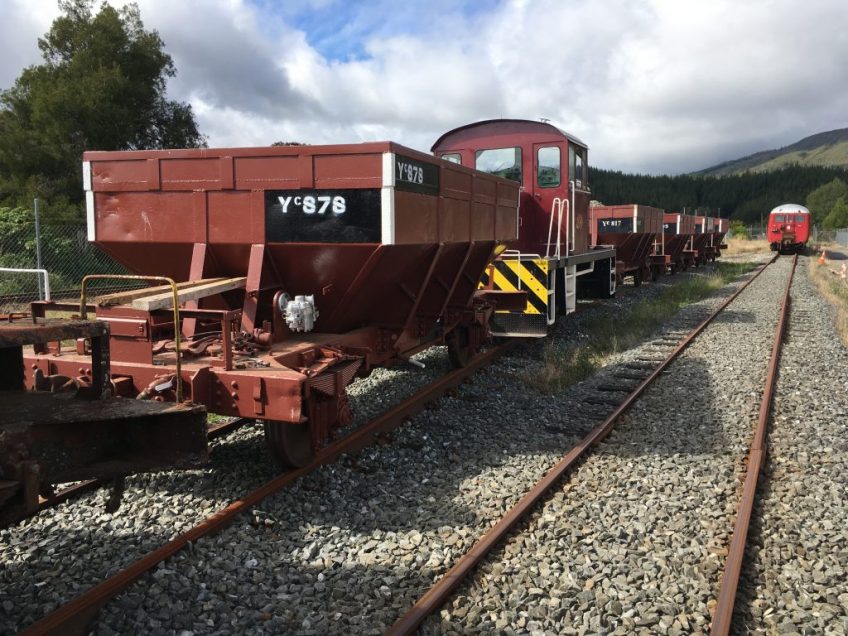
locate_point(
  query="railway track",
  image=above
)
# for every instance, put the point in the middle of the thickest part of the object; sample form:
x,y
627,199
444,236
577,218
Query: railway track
x,y
635,562
75,616
437,595
306,558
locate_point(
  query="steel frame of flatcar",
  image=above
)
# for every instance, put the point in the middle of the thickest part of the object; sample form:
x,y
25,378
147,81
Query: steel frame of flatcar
x,y
68,427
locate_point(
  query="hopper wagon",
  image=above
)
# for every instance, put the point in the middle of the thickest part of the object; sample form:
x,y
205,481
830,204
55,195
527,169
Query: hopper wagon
x,y
702,241
675,250
72,428
554,259
720,227
292,269
633,230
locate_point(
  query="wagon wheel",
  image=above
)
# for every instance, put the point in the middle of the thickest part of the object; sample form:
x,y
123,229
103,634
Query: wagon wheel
x,y
460,350
290,444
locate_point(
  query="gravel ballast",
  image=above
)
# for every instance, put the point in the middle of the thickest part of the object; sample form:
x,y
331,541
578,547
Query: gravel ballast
x,y
635,540
795,579
348,548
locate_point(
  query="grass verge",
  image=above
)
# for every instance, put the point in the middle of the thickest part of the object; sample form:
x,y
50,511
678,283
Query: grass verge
x,y
737,246
835,291
564,366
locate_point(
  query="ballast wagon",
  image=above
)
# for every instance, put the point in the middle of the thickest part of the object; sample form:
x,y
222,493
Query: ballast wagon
x,y
633,230
678,231
553,259
702,240
292,269
720,228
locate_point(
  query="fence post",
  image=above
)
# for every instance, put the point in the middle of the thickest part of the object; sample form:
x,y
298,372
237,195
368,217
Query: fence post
x,y
38,248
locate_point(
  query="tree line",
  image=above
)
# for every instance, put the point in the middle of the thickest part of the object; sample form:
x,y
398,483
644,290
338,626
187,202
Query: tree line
x,y
101,86
746,197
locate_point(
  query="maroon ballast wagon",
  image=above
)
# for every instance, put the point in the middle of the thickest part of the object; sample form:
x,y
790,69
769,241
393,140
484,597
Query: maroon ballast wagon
x,y
678,231
633,230
720,227
702,241
296,268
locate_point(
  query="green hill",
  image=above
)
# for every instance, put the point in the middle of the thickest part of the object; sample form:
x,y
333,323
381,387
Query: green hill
x,y
823,149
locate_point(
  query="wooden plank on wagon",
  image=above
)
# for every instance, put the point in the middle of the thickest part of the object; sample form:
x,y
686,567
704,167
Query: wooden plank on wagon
x,y
202,289
125,297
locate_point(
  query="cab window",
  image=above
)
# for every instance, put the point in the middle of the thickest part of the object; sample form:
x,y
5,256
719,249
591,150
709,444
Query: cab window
x,y
577,166
778,218
453,157
501,162
799,218
549,173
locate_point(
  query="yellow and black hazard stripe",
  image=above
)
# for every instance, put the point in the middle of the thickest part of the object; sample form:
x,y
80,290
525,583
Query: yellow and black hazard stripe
x,y
530,276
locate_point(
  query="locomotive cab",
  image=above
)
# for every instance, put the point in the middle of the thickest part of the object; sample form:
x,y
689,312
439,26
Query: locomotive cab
x,y
554,246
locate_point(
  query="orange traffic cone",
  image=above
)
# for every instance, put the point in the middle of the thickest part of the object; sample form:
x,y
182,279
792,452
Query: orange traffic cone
x,y
823,257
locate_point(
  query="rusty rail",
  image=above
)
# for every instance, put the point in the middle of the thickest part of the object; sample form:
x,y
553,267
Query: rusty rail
x,y
723,617
444,587
75,616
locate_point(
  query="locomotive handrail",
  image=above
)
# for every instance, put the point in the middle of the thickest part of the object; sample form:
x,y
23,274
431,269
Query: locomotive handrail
x,y
568,245
556,208
519,254
162,279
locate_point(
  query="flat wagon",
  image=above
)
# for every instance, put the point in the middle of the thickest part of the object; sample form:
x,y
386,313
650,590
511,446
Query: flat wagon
x,y
293,270
71,428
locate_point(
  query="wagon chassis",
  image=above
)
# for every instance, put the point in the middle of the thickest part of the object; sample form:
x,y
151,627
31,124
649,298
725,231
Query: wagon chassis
x,y
296,385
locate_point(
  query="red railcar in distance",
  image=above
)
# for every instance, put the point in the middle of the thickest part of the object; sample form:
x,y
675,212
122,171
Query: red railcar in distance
x,y
788,228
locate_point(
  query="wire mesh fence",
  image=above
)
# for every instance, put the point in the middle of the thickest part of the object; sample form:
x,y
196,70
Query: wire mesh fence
x,y
61,249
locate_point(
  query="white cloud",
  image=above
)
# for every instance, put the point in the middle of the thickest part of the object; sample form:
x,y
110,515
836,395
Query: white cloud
x,y
651,86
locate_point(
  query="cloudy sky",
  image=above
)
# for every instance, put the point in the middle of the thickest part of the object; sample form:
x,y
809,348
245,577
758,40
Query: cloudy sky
x,y
653,86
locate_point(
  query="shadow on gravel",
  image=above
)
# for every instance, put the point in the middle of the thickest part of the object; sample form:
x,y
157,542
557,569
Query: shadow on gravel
x,y
680,416
730,316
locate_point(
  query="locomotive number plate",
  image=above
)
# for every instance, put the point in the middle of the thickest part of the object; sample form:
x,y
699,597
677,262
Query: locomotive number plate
x,y
615,225
322,216
413,175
